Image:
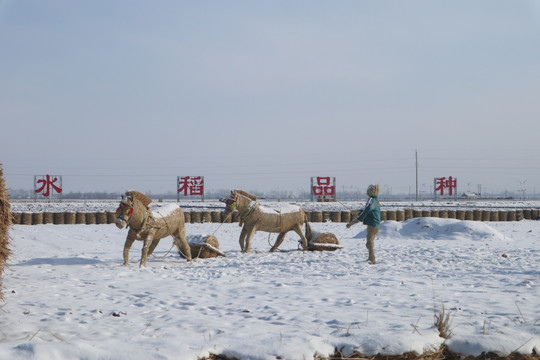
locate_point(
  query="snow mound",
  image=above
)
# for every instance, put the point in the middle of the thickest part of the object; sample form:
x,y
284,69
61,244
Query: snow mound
x,y
436,229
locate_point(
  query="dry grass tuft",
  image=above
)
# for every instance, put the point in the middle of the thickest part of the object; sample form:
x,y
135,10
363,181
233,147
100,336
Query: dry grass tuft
x,y
5,224
442,323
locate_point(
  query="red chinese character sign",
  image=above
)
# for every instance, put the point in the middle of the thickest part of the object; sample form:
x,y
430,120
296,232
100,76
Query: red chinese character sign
x,y
323,188
190,185
47,186
449,184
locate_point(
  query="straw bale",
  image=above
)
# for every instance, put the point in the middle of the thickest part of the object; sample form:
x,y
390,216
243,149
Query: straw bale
x,y
493,216
26,218
101,218
426,213
391,215
317,216
345,216
235,217
400,215
527,214
48,217
204,246
326,216
80,217
383,215
485,215
90,218
16,218
535,214
443,214
435,213
417,213
215,216
196,217
519,215
324,242
477,215
70,218
469,215
187,217
335,216
59,218
227,218
503,215
355,214
206,217
37,218
451,214
409,214
511,215
111,217
460,214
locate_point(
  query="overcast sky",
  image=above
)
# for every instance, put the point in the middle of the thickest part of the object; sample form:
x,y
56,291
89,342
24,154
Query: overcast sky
x,y
264,95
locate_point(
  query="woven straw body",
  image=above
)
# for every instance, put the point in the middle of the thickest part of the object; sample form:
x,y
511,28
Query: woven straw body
x,y
255,218
150,227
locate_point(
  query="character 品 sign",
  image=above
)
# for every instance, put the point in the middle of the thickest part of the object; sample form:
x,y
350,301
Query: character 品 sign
x,y
190,185
47,185
323,188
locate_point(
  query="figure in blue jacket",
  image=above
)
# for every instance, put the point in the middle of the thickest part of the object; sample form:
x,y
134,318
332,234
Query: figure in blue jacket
x,y
370,216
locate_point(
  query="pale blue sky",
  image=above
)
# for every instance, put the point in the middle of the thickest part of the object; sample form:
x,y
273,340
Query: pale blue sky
x,y
263,95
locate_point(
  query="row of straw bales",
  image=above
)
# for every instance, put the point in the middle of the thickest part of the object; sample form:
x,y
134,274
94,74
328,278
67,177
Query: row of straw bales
x,y
196,217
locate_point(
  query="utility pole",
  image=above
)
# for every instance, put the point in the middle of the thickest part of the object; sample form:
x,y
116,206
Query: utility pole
x,y
416,158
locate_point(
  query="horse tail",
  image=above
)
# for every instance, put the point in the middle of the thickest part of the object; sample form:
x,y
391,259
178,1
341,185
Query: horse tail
x,y
308,232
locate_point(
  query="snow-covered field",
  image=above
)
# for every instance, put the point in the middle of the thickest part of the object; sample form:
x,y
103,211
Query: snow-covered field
x,y
67,295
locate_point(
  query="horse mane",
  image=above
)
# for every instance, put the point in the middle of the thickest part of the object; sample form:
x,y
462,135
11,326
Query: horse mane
x,y
139,196
246,194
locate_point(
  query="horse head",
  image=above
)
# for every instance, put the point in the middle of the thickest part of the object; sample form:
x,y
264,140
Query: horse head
x,y
124,212
231,202
129,203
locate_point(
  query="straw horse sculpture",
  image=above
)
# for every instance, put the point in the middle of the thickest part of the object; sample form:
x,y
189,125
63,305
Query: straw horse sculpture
x,y
254,217
149,226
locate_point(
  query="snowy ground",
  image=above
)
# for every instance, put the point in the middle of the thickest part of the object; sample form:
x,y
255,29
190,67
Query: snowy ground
x,y
67,295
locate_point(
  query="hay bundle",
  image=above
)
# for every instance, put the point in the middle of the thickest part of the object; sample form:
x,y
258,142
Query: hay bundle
x,y
417,213
111,217
5,224
451,214
58,218
37,218
485,215
48,218
503,215
384,216
196,217
323,242
493,216
215,216
335,216
409,214
90,218
469,215
16,218
443,214
187,217
26,218
477,215
391,215
317,216
535,214
400,215
206,217
511,215
80,217
204,246
345,216
70,218
527,214
326,216
101,218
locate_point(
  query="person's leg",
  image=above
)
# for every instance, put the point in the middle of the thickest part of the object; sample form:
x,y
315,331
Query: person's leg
x,y
370,242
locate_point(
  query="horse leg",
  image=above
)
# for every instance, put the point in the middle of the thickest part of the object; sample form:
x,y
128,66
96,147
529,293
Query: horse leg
x,y
279,240
147,242
127,245
250,234
183,246
153,246
242,238
298,229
